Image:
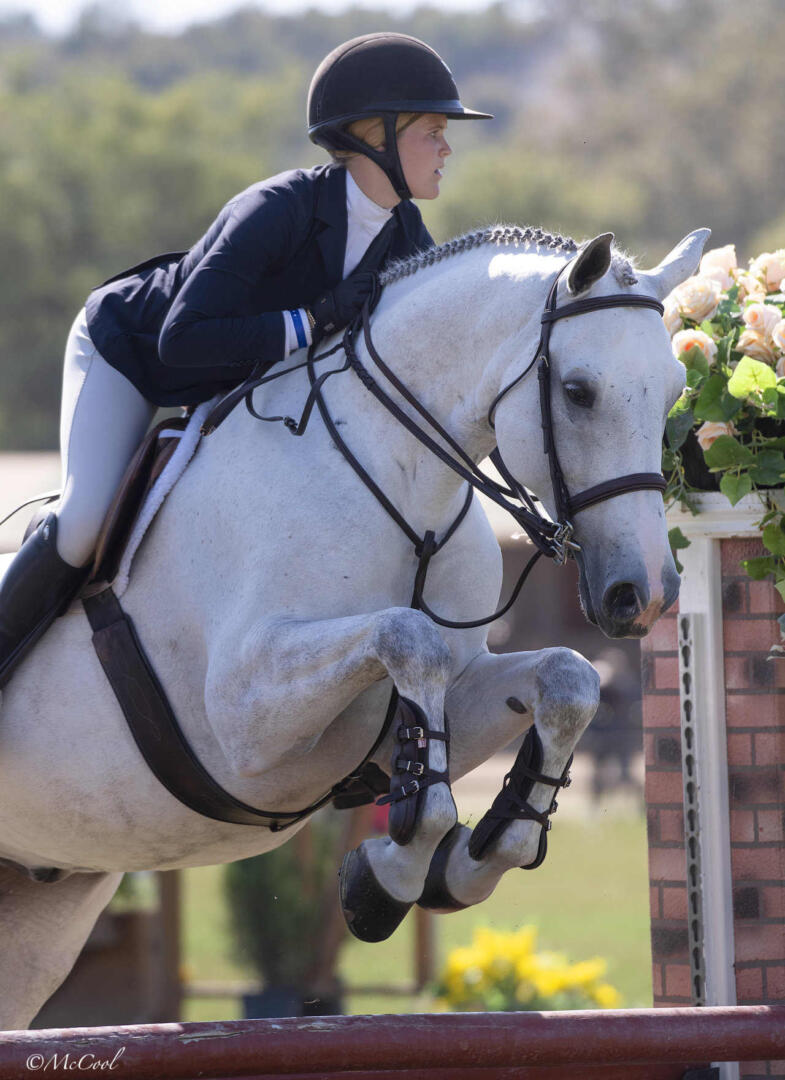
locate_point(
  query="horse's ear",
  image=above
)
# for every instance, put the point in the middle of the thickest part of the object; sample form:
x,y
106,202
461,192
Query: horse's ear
x,y
591,263
682,263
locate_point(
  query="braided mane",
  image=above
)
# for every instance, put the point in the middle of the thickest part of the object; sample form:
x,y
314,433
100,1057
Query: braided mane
x,y
499,236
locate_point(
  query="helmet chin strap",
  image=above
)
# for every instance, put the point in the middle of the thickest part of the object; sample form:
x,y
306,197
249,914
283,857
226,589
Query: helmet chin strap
x,y
388,159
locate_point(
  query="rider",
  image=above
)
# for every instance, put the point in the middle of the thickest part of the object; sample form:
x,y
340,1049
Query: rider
x,y
286,262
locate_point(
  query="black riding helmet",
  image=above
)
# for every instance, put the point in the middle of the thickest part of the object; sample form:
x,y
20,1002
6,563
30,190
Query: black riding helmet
x,y
380,75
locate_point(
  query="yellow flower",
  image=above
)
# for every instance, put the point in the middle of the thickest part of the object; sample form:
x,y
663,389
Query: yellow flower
x,y
607,996
588,971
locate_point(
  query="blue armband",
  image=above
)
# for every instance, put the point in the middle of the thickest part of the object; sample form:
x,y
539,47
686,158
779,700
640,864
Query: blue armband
x,y
297,319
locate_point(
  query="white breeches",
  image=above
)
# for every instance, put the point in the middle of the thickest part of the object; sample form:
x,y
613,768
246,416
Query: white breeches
x,y
103,420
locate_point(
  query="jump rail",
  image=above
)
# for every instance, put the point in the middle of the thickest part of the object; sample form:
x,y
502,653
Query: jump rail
x,y
459,1046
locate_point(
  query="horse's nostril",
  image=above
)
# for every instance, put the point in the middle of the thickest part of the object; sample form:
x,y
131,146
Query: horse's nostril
x,y
622,602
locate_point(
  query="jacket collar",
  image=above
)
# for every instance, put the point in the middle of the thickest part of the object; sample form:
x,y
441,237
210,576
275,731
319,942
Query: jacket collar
x,y
331,211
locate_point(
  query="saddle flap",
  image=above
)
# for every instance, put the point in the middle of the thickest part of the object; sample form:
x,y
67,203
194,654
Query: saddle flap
x,y
143,470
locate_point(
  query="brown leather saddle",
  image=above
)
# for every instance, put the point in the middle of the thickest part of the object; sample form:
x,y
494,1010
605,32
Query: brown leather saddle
x,y
143,470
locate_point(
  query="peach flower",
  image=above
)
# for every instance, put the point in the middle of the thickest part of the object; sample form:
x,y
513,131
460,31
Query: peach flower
x,y
718,264
780,368
749,287
671,317
756,344
708,433
770,269
763,317
698,297
685,340
778,335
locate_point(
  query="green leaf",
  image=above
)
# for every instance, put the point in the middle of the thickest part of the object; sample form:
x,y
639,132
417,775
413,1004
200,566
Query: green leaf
x,y
677,540
679,425
735,486
774,539
759,567
768,467
724,346
726,452
750,377
694,360
708,406
694,378
780,587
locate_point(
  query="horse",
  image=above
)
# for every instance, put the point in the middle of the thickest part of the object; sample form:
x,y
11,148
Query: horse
x,y
272,593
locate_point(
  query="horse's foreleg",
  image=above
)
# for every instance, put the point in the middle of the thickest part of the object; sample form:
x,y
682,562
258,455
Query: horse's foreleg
x,y
559,691
297,677
43,929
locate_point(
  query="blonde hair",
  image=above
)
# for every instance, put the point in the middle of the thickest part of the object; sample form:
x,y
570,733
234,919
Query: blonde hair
x,y
370,129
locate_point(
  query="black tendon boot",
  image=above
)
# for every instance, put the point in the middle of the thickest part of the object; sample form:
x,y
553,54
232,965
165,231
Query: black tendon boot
x,y
37,587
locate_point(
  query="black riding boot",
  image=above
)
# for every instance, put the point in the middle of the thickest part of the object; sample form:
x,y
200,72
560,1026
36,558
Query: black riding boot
x,y
37,587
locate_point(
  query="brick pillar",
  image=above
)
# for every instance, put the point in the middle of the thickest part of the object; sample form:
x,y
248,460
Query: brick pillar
x,y
754,832
755,717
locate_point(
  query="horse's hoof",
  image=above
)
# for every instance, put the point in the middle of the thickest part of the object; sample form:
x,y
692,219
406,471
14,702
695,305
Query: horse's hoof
x,y
370,912
435,895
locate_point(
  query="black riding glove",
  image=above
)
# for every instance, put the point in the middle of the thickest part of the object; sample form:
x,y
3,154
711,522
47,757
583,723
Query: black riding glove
x,y
338,307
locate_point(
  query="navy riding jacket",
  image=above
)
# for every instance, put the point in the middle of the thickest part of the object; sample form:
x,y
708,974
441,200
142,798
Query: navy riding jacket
x,y
187,325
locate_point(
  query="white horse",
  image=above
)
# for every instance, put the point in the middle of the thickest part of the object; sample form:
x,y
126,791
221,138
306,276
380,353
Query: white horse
x,y
271,596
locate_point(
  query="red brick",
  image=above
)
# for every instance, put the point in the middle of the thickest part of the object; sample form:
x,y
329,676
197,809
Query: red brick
x,y
756,942
770,748
661,710
667,864
775,982
672,826
757,864
753,1070
656,981
776,1068
755,710
739,749
655,902
678,981
666,672
674,902
663,637
733,551
749,986
773,901
770,826
663,787
755,786
742,826
764,598
750,635
736,673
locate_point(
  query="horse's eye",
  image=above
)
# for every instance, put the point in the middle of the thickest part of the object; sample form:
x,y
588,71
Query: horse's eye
x,y
579,394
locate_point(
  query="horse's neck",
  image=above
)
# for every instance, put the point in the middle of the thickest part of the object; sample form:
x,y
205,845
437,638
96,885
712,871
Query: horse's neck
x,y
449,333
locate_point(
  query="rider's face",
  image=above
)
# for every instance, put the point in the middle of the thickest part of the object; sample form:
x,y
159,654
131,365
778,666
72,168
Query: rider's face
x,y
422,147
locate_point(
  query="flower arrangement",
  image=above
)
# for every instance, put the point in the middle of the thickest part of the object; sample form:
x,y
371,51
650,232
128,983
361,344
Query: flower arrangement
x,y
727,326
502,972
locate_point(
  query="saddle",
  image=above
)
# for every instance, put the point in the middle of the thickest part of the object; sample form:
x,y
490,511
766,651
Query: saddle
x,y
143,470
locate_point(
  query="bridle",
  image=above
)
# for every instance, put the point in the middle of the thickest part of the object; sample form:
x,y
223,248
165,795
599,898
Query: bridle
x,y
552,538
568,506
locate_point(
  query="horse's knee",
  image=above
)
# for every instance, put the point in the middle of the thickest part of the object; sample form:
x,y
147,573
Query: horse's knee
x,y
568,689
410,646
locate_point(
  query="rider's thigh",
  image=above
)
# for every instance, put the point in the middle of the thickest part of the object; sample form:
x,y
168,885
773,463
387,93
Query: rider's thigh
x,y
103,420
